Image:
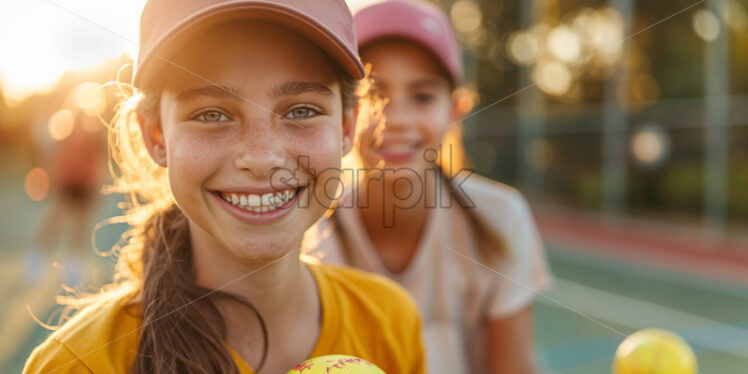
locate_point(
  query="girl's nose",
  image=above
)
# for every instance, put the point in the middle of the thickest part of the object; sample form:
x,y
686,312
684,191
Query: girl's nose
x,y
259,150
397,113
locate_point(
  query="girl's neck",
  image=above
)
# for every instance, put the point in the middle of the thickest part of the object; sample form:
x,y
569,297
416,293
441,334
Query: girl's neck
x,y
395,225
381,207
283,291
267,281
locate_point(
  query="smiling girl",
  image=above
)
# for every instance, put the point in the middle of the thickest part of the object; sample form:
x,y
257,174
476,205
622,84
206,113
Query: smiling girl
x,y
465,247
228,96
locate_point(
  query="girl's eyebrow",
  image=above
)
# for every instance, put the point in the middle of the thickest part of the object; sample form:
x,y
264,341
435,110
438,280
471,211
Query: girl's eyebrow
x,y
211,91
285,89
428,83
298,87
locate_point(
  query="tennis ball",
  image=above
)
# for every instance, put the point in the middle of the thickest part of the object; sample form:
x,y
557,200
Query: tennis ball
x,y
336,364
654,351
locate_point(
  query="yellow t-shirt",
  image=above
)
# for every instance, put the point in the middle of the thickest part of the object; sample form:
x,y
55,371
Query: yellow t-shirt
x,y
363,315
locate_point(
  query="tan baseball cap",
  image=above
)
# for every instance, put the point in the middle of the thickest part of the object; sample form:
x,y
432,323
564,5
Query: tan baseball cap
x,y
166,24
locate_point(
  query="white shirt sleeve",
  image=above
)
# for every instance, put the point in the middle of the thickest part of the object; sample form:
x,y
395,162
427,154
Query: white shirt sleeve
x,y
525,269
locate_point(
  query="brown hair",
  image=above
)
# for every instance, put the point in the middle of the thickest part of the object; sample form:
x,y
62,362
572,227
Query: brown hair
x,y
491,243
182,330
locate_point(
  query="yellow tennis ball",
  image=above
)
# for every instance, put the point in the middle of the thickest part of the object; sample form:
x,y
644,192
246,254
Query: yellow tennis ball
x,y
336,364
654,351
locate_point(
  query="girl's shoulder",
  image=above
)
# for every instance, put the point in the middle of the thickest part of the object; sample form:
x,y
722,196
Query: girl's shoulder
x,y
495,203
486,190
101,337
352,284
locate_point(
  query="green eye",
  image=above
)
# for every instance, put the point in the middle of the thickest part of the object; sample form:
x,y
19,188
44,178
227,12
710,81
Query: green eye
x,y
211,116
301,113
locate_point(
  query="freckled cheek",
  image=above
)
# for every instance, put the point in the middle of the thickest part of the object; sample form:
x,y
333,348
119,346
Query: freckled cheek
x,y
433,127
323,148
191,161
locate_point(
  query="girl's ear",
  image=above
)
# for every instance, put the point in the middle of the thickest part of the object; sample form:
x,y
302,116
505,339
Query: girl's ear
x,y
457,113
463,101
349,128
153,137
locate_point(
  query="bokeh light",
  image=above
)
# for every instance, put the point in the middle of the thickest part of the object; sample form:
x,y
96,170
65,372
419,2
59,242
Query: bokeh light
x,y
606,28
89,97
36,184
705,25
523,48
559,53
650,145
606,35
564,43
466,16
552,77
474,39
582,21
61,124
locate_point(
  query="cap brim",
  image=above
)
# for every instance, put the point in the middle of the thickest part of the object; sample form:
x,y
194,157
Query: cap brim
x,y
157,57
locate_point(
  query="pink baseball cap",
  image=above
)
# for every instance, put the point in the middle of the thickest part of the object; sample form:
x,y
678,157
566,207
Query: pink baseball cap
x,y
417,21
165,24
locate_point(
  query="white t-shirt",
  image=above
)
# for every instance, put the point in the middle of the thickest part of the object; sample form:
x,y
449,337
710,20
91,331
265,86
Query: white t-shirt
x,y
456,294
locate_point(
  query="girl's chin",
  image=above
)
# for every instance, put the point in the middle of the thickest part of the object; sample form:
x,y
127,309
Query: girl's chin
x,y
416,164
413,159
265,254
399,158
261,246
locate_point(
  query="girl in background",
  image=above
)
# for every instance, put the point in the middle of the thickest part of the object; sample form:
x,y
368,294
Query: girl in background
x,y
465,247
236,104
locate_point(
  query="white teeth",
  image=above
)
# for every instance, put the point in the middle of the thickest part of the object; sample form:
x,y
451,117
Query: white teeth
x,y
260,203
279,199
266,198
254,201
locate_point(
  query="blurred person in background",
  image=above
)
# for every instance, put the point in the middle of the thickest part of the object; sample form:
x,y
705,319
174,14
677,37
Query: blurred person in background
x,y
473,264
75,157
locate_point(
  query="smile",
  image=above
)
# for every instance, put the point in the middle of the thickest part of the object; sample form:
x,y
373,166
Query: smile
x,y
257,203
398,150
